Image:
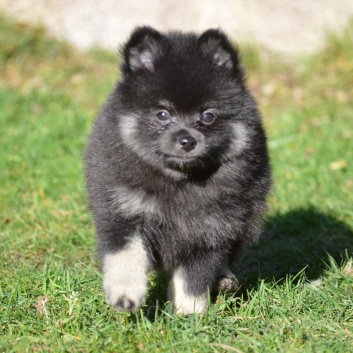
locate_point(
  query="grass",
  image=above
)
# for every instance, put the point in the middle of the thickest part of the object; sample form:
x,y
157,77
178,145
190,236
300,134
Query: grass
x,y
297,282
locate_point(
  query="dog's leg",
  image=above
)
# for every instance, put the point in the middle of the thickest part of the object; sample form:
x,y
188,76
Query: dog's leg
x,y
226,280
191,282
125,275
186,301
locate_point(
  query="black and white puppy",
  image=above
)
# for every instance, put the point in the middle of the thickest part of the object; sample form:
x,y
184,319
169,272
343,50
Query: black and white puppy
x,y
177,168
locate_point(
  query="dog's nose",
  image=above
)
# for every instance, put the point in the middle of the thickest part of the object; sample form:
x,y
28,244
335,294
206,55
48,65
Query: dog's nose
x,y
187,142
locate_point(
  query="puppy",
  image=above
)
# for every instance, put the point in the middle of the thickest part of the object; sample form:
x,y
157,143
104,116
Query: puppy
x,y
177,168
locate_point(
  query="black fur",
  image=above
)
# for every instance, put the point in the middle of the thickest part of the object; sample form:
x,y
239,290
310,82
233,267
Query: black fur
x,y
210,197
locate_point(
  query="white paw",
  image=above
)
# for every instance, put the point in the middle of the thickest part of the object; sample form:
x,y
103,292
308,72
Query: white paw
x,y
124,295
125,276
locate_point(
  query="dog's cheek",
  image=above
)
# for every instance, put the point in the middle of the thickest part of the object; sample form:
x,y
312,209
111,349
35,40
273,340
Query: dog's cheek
x,y
129,132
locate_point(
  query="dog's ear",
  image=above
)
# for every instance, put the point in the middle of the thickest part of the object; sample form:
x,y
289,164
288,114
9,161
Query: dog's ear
x,y
142,50
215,45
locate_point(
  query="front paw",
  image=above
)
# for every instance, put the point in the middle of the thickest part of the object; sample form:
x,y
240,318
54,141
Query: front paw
x,y
125,276
126,296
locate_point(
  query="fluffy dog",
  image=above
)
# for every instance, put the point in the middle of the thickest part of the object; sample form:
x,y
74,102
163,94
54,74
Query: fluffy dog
x,y
177,168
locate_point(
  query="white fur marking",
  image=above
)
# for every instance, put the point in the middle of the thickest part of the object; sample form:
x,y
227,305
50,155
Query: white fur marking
x,y
183,302
125,275
135,202
240,139
128,131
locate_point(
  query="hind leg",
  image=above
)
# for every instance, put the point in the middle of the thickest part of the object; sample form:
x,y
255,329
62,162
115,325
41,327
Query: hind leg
x,y
226,280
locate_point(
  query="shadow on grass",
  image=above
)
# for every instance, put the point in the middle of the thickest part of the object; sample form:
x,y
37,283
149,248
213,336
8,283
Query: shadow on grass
x,y
303,238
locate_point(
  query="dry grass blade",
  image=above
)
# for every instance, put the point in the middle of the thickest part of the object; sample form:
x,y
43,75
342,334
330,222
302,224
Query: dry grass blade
x,y
41,302
225,346
348,269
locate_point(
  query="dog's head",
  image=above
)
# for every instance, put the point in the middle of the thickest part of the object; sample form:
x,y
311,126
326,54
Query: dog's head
x,y
183,106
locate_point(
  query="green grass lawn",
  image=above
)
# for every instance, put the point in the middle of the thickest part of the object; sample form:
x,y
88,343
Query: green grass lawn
x,y
297,282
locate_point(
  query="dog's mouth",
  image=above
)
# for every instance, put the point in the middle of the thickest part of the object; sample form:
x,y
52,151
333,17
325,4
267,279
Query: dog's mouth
x,y
190,165
184,163
195,168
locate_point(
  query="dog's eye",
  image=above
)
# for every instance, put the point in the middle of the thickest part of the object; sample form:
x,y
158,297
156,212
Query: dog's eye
x,y
163,116
208,118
